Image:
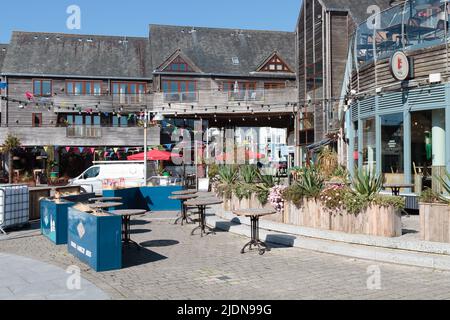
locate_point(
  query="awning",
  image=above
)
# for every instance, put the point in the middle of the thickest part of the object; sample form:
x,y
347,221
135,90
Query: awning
x,y
319,145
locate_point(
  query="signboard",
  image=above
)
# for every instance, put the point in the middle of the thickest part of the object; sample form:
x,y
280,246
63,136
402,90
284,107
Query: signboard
x,y
401,66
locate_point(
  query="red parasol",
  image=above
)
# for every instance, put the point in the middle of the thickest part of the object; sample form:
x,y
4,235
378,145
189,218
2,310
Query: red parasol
x,y
154,155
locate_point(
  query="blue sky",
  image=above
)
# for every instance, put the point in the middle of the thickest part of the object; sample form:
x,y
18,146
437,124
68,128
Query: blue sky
x,y
132,17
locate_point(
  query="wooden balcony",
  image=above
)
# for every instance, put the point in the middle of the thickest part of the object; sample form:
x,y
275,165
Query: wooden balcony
x,y
82,136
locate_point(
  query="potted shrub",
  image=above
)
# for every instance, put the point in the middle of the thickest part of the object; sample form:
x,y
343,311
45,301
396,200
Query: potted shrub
x,y
435,213
227,177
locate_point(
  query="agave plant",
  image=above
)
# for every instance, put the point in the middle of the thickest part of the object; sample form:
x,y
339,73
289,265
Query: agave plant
x,y
367,183
445,184
249,173
228,175
311,182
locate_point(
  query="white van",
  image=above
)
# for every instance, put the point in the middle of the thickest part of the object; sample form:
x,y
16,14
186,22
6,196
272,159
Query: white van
x,y
114,173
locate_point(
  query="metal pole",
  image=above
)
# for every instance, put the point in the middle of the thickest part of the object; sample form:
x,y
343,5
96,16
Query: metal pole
x,y
145,148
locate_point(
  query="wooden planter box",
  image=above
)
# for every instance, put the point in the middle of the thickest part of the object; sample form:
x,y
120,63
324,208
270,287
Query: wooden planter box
x,y
375,220
435,222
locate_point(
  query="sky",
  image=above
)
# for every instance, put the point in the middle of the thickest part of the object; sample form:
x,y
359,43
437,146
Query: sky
x,y
132,17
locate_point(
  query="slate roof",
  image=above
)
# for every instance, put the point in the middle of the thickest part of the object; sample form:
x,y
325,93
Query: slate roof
x,y
3,50
357,8
212,49
37,53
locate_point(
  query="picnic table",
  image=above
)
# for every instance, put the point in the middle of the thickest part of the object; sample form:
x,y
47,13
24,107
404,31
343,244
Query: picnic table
x,y
202,203
255,215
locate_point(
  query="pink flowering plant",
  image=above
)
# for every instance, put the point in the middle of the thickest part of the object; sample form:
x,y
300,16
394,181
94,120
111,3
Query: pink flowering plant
x,y
333,197
276,198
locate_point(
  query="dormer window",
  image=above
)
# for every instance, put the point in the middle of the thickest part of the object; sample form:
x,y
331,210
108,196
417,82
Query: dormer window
x,y
179,65
275,64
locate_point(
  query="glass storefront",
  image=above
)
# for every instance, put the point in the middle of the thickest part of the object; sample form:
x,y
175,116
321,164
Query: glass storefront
x,y
369,144
392,155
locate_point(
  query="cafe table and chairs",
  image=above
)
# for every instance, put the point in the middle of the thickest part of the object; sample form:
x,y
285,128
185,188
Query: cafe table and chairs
x,y
184,210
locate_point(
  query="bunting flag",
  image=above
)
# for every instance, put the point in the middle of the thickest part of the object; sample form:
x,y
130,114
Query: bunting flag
x,y
68,149
29,95
126,150
105,154
115,150
92,150
46,148
81,149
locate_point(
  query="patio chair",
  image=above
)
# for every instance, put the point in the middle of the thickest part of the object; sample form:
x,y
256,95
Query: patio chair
x,y
203,185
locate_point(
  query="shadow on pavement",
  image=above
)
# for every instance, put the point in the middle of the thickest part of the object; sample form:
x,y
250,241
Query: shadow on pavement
x,y
274,240
132,257
159,243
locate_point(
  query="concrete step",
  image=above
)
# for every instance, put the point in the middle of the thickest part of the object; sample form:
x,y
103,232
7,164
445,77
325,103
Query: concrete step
x,y
359,251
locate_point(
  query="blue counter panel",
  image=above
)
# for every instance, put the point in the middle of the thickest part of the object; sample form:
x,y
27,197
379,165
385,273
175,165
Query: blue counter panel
x,y
54,218
96,241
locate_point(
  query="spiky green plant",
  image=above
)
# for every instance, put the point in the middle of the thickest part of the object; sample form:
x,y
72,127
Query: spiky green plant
x,y
311,182
367,184
445,184
228,176
248,173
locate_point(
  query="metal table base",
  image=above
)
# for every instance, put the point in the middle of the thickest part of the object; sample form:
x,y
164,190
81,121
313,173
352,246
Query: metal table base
x,y
126,232
202,223
184,216
255,242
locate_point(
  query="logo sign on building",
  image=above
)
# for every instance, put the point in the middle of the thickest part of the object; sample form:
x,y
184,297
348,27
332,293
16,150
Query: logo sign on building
x,y
401,66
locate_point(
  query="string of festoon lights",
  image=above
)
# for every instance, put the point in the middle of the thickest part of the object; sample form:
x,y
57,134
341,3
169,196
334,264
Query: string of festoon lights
x,y
250,109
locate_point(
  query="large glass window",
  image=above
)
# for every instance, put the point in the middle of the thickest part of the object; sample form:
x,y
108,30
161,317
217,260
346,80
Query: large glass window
x,y
83,88
179,90
129,92
42,88
392,153
369,144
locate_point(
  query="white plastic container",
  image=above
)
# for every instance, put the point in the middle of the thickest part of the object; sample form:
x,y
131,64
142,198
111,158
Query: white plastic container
x,y
14,206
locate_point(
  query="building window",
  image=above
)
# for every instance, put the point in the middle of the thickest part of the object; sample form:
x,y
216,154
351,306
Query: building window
x,y
36,119
275,64
42,88
129,92
178,65
179,90
392,144
84,88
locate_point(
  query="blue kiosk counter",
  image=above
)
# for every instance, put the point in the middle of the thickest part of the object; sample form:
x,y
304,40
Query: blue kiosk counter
x,y
96,239
54,220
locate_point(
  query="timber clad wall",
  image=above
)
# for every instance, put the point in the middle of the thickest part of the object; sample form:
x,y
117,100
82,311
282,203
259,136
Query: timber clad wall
x,y
426,61
209,52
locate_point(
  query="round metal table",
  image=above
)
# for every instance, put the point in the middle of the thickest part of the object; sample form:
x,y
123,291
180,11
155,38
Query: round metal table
x,y
126,223
105,199
202,203
183,198
184,192
104,205
254,215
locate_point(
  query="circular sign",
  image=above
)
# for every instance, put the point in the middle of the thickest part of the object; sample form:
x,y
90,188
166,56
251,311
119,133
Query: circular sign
x,y
400,66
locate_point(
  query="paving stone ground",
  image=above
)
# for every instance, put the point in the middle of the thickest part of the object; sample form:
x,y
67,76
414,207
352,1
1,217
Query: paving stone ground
x,y
176,265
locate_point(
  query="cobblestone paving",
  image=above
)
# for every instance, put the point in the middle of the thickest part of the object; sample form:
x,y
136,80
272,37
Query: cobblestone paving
x,y
176,265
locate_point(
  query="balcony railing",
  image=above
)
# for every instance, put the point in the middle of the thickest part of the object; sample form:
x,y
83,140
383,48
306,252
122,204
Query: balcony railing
x,y
181,97
84,132
246,95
